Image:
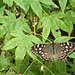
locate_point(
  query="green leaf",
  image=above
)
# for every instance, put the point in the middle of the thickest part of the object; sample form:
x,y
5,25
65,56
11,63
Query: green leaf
x,y
70,14
61,25
26,28
28,44
54,24
46,29
17,33
11,44
10,15
63,73
19,53
61,66
7,37
10,72
2,6
49,66
50,23
62,4
2,30
46,8
33,56
58,14
20,24
4,62
54,27
34,39
24,65
39,25
2,73
35,5
9,2
72,66
72,55
30,73
72,2
35,70
8,22
24,4
69,24
22,42
48,2
63,39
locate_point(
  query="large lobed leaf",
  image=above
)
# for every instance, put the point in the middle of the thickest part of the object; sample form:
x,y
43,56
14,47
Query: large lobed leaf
x,y
53,24
23,44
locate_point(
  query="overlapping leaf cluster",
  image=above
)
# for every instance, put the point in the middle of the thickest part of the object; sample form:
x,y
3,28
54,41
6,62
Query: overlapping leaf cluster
x,y
17,36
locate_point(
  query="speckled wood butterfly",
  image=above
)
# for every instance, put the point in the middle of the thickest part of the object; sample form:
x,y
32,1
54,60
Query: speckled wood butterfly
x,y
47,50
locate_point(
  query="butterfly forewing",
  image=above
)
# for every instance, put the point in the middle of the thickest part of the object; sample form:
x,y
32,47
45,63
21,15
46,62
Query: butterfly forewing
x,y
45,51
63,49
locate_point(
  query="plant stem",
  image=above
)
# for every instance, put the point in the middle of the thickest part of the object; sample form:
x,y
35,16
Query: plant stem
x,y
27,69
34,26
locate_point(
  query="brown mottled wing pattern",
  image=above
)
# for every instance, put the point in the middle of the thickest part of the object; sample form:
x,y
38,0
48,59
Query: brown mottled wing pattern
x,y
45,51
62,50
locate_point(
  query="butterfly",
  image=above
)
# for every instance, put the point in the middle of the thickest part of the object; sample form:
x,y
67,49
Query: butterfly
x,y
47,50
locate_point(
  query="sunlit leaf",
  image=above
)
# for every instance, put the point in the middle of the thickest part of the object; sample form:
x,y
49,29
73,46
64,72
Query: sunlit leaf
x,y
62,4
63,39
36,6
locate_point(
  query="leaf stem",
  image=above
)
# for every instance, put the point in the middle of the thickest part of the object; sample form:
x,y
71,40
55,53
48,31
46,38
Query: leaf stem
x,y
34,26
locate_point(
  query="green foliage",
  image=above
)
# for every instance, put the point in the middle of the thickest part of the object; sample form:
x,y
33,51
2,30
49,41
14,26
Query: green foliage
x,y
4,62
62,4
72,66
2,73
10,73
16,35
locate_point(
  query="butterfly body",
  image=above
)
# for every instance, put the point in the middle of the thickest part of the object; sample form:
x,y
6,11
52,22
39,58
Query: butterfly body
x,y
47,50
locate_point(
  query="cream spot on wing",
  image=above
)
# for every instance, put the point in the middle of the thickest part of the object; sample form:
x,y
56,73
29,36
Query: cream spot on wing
x,y
66,46
64,51
68,43
61,52
39,51
74,49
36,49
38,45
42,45
45,53
61,45
71,44
70,47
39,48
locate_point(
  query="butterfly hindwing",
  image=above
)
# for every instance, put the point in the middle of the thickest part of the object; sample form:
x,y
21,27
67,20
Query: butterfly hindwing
x,y
62,50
